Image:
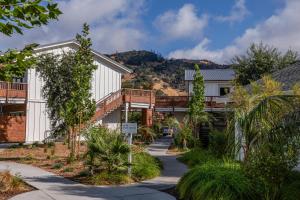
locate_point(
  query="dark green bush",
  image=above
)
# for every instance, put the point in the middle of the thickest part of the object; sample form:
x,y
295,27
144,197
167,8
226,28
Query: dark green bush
x,y
217,143
291,191
271,165
291,186
197,156
145,166
212,181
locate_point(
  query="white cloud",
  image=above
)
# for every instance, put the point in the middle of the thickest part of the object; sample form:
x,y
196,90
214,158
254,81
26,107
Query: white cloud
x,y
280,30
184,23
115,25
238,12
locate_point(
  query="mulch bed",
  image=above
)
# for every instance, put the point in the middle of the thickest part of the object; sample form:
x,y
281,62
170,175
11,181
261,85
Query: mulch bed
x,y
8,195
46,158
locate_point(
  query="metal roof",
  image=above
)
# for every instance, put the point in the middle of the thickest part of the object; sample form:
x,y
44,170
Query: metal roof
x,y
211,74
72,43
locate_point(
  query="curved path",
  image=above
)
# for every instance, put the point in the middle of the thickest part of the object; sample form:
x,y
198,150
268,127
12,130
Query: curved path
x,y
53,187
173,169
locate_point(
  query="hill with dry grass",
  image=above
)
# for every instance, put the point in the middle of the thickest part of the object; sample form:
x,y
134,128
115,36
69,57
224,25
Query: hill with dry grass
x,y
152,71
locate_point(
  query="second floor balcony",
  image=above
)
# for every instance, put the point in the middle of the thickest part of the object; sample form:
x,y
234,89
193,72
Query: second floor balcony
x,y
12,90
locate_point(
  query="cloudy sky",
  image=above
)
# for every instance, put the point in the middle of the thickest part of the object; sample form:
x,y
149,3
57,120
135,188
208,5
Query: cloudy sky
x,y
196,29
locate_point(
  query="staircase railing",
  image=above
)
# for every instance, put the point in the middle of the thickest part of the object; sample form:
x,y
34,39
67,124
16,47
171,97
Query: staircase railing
x,y
108,104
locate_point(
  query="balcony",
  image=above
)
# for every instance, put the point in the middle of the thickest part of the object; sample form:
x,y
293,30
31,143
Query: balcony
x,y
12,91
180,103
138,96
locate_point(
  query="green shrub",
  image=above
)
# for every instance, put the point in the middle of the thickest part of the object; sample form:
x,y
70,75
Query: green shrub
x,y
217,143
146,134
211,181
291,186
184,138
145,166
110,178
107,150
271,165
291,191
57,166
197,156
68,169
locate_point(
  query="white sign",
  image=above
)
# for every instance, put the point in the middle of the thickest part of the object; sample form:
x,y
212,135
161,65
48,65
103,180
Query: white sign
x,y
129,128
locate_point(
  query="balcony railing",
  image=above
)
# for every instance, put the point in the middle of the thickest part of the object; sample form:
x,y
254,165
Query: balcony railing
x,y
182,101
138,96
13,90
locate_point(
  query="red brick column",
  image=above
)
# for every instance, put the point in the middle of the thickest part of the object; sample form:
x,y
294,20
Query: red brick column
x,y
147,115
12,128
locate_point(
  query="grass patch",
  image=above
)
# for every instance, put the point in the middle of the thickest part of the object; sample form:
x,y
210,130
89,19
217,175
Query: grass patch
x,y
197,156
145,166
224,181
106,178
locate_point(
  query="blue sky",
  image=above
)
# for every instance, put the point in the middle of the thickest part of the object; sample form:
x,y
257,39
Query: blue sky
x,y
196,29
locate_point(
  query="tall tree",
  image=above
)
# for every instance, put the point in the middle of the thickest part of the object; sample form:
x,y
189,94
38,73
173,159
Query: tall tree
x,y
259,60
16,15
67,87
197,102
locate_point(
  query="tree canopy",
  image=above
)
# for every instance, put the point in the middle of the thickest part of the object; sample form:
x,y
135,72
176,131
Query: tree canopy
x,y
16,15
197,102
259,60
67,87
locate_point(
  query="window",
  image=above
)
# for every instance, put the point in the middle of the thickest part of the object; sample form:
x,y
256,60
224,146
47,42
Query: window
x,y
224,90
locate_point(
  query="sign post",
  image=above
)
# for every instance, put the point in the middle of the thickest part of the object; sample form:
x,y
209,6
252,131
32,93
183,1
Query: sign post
x,y
129,129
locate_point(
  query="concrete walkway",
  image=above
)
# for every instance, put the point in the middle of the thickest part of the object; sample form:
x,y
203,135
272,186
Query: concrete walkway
x,y
53,187
172,170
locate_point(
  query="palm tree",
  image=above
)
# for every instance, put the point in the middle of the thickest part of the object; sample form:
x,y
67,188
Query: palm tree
x,y
259,111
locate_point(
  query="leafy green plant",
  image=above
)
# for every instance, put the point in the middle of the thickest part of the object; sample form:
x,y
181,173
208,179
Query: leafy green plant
x,y
146,134
224,181
198,156
57,165
217,143
145,166
291,186
184,138
106,150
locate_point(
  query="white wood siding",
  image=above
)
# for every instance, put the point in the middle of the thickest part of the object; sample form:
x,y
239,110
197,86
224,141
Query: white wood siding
x,y
105,81
211,88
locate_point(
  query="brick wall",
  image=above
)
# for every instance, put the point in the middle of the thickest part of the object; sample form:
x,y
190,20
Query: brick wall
x,y
12,128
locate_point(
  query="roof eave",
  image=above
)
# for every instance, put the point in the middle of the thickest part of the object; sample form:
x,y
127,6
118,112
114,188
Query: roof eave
x,y
121,67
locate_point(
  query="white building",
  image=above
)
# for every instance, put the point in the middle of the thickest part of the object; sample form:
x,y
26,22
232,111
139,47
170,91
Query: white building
x,y
23,109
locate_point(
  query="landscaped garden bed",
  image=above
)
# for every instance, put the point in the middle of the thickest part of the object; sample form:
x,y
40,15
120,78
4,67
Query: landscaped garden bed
x,y
54,157
12,185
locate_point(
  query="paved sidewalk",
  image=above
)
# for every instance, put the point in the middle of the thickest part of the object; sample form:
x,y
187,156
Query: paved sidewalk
x,y
53,187
173,169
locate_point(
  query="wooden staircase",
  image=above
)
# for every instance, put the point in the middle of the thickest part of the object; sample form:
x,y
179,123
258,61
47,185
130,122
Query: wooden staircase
x,y
107,105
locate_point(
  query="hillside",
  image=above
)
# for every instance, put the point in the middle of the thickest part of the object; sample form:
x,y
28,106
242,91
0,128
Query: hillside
x,y
152,71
